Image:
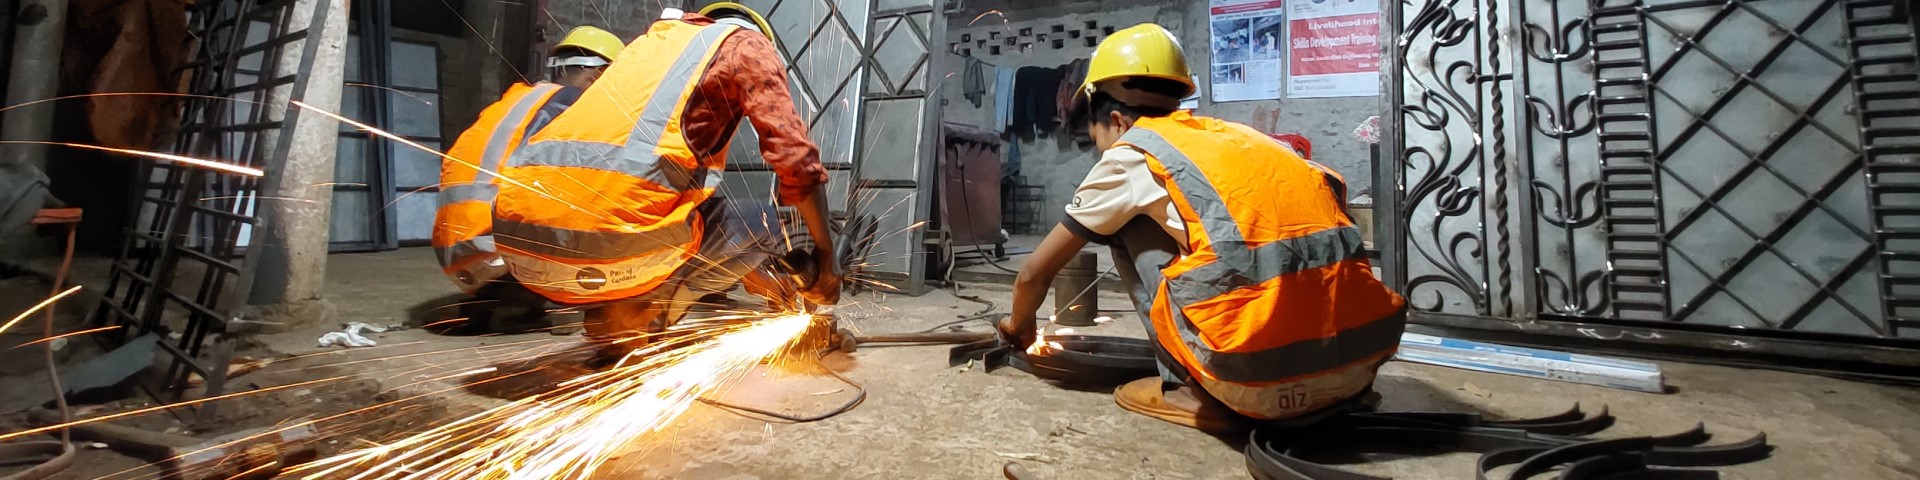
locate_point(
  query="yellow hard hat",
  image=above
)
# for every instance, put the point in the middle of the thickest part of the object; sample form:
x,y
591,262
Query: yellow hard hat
x,y
593,40
730,13
1144,50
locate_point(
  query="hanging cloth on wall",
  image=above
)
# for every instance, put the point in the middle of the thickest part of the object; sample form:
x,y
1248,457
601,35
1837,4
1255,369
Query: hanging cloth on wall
x,y
1002,98
1010,158
1071,75
1034,106
973,82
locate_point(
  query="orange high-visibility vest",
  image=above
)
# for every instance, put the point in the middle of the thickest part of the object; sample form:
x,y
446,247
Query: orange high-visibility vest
x,y
1273,309
463,224
607,207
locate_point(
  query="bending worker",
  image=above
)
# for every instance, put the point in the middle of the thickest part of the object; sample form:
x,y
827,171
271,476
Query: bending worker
x,y
463,225
617,210
1239,254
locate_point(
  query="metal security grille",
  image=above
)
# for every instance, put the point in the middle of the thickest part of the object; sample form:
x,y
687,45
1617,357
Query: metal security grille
x,y
182,268
859,74
1735,165
895,168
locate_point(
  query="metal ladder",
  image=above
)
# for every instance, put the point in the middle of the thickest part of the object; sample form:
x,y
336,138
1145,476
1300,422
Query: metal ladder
x,y
1629,177
182,268
1887,102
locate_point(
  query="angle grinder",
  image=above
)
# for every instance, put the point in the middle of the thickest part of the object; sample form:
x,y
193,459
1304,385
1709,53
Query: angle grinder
x,y
798,265
799,268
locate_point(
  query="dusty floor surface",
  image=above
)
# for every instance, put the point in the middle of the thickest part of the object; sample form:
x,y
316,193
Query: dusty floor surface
x,y
923,419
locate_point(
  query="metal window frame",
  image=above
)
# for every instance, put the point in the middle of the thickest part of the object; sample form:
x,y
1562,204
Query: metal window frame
x,y
373,29
919,255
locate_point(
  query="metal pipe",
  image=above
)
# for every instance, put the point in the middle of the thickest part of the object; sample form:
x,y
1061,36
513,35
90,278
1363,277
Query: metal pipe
x,y
929,337
1074,301
35,75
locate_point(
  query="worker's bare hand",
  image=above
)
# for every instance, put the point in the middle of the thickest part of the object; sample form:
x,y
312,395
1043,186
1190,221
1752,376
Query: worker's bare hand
x,y
825,289
1017,331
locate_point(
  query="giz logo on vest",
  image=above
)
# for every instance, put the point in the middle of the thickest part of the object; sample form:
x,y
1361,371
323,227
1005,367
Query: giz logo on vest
x,y
591,278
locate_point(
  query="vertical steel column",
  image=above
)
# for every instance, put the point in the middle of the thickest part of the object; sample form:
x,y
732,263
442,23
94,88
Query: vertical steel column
x,y
34,75
1388,172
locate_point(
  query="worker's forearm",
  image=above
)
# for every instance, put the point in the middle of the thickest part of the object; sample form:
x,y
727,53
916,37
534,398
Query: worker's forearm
x,y
1029,290
813,210
1030,287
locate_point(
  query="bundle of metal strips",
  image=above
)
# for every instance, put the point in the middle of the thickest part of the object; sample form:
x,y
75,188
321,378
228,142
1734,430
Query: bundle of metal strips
x,y
1532,446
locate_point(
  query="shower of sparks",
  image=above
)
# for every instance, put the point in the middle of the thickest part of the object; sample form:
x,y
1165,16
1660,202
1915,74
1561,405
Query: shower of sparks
x,y
158,408
571,431
65,335
394,90
43,304
568,432
1041,346
403,141
207,164
1003,17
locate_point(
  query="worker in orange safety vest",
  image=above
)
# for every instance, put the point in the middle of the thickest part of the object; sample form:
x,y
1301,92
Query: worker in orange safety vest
x,y
1238,253
463,225
618,209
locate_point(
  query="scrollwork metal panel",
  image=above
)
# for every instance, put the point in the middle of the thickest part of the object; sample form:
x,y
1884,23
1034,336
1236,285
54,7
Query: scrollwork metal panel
x,y
1750,164
1453,186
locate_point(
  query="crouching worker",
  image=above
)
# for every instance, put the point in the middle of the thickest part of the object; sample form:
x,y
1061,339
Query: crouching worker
x,y
616,208
1238,253
463,225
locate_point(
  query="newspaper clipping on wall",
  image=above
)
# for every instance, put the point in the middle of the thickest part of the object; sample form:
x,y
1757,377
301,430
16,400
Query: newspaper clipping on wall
x,y
1246,46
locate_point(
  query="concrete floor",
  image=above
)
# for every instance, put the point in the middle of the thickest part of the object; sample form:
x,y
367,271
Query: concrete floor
x,y
923,419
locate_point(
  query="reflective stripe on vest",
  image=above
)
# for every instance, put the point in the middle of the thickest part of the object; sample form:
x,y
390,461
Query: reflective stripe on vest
x,y
467,192
636,158
616,216
588,245
1238,266
500,144
483,188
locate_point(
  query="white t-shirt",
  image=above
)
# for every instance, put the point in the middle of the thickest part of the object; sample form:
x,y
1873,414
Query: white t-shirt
x,y
1117,189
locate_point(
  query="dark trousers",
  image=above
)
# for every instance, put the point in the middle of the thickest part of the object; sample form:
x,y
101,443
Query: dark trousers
x,y
1140,250
740,237
504,305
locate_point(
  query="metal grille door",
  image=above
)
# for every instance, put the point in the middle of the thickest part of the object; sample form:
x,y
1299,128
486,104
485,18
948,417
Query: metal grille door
x,y
899,143
1745,165
859,74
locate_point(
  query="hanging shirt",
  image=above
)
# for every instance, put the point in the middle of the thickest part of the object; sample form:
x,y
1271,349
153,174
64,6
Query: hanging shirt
x,y
1002,98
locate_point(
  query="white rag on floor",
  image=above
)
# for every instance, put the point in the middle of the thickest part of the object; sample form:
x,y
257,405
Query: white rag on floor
x,y
351,336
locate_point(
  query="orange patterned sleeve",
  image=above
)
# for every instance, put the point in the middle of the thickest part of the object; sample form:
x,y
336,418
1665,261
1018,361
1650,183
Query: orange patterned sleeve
x,y
752,68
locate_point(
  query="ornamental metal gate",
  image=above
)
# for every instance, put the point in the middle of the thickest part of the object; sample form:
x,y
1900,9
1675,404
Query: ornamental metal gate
x,y
1734,168
859,73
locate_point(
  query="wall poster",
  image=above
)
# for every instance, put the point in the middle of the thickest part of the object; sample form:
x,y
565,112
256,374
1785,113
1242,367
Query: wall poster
x,y
1334,48
1245,42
